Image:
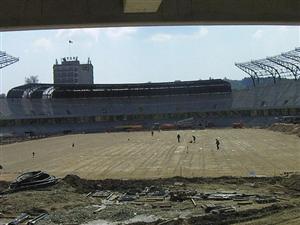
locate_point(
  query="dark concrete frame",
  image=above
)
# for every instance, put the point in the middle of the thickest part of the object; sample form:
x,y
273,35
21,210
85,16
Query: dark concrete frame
x,y
46,14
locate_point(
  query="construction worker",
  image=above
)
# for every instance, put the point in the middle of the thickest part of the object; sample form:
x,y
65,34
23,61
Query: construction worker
x,y
33,153
194,139
178,138
217,144
73,145
152,133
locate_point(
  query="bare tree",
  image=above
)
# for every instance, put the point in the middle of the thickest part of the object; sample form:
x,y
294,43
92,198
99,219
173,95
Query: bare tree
x,y
31,80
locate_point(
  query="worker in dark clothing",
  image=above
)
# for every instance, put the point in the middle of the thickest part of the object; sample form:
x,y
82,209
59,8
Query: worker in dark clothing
x,y
33,153
152,133
73,145
178,138
217,144
194,139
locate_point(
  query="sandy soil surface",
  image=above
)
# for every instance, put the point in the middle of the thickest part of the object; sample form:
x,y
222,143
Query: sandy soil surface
x,y
139,155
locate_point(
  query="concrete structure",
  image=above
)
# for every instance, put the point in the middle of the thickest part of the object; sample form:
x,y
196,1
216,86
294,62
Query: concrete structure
x,y
38,14
256,106
70,71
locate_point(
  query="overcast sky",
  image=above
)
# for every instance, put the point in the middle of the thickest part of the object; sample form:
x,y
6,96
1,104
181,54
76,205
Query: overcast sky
x,y
142,54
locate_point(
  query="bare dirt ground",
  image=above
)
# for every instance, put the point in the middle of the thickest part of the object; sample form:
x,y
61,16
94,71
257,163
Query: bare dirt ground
x,y
138,155
286,127
74,201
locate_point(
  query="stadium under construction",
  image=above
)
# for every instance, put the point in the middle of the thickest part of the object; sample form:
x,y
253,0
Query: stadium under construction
x,y
72,108
176,177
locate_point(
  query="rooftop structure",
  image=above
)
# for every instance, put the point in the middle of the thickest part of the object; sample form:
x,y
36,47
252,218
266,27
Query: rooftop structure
x,y
119,90
286,64
6,60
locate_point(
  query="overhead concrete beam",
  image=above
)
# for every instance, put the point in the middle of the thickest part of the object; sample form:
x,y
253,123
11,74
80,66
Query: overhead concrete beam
x,y
141,6
45,14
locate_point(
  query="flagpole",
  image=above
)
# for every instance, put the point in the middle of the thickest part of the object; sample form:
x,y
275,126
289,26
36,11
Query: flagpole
x,y
70,42
69,48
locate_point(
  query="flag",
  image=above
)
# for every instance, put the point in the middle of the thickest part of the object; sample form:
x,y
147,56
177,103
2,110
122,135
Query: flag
x,y
70,42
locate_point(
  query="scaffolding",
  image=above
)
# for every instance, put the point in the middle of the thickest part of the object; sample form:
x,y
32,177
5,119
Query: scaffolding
x,y
285,65
6,60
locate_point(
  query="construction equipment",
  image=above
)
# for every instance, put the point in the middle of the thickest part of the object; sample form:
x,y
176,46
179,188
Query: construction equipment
x,y
237,125
186,123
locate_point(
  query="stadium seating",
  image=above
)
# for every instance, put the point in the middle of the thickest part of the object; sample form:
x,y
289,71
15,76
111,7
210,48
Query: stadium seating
x,y
282,95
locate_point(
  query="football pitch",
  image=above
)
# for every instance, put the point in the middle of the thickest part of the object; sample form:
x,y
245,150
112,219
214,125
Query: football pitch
x,y
138,155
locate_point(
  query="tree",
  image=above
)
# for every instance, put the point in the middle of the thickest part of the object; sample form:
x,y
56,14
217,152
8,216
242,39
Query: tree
x,y
31,80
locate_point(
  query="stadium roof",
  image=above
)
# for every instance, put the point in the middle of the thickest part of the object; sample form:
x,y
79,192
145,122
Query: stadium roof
x,y
118,90
285,65
6,60
41,14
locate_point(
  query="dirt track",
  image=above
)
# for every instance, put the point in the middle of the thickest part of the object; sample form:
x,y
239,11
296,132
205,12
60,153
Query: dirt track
x,y
138,155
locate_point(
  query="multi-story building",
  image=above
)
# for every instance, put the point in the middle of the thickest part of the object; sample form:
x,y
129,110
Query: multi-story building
x,y
70,71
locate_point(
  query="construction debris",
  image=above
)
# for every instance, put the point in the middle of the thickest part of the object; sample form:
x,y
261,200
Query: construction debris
x,y
224,210
223,196
121,200
101,207
266,199
37,219
193,201
101,194
181,195
20,219
161,205
113,197
208,207
218,209
245,203
154,191
32,180
149,200
126,198
180,184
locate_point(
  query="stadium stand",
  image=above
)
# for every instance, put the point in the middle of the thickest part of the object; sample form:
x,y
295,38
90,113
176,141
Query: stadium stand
x,y
64,108
284,94
20,104
27,109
